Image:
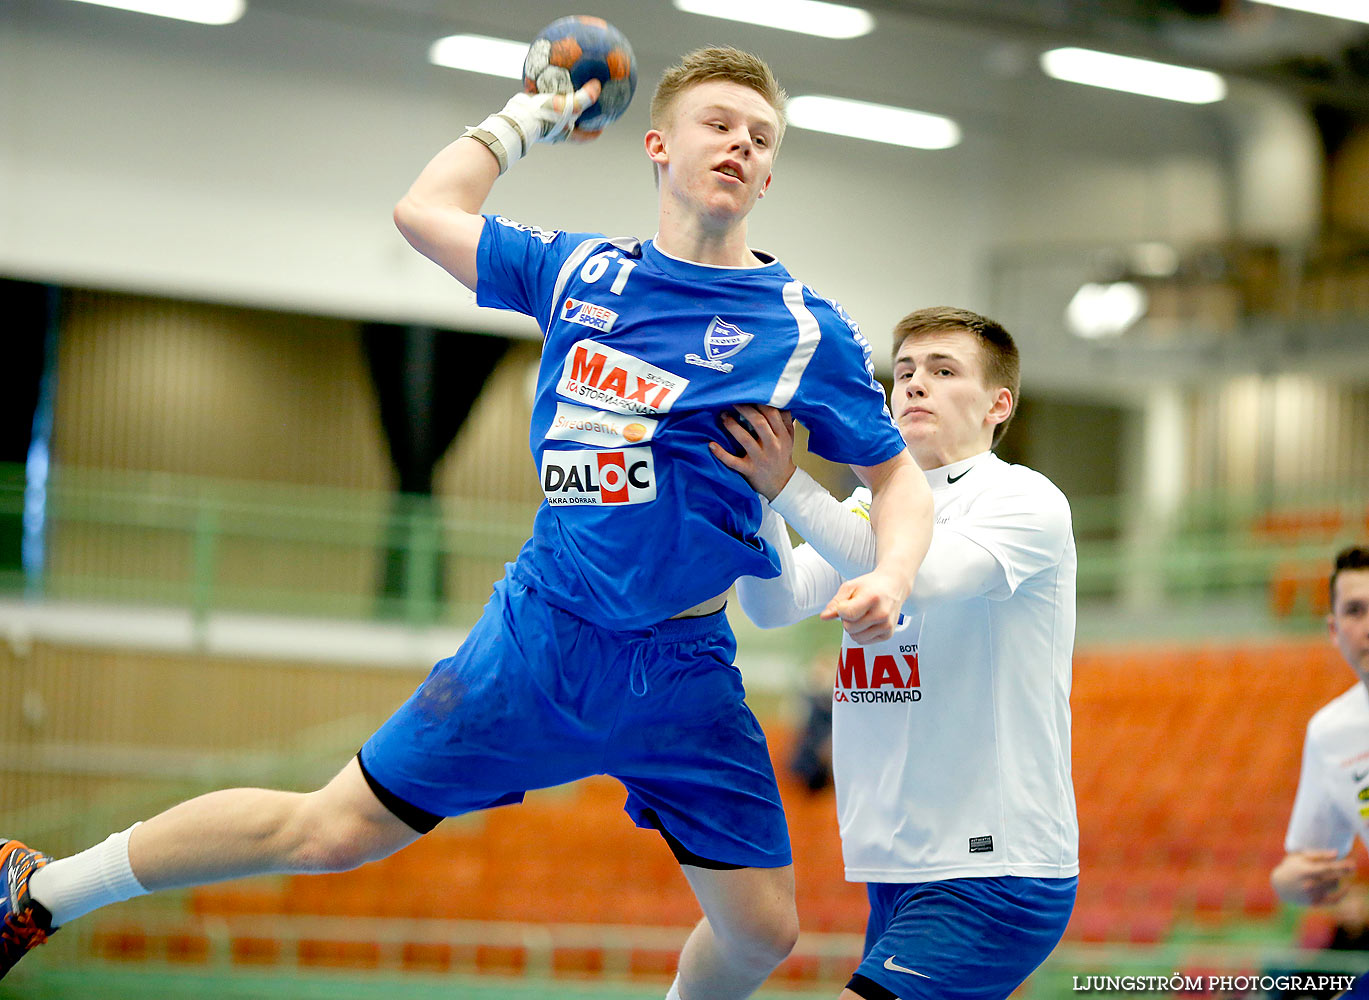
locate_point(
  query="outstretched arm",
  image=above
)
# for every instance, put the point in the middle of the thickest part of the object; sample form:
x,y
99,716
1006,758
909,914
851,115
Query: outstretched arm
x,y
956,567
805,584
440,214
900,514
1312,878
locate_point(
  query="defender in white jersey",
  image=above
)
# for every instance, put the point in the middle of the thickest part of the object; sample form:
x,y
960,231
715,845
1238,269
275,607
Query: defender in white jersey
x,y
951,740
604,649
1332,804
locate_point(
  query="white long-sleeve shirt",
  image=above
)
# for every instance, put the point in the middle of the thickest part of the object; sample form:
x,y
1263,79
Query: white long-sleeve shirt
x,y
951,741
1332,804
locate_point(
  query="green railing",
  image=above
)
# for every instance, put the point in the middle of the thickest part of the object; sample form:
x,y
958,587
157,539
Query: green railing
x,y
1219,969
1273,549
267,547
260,547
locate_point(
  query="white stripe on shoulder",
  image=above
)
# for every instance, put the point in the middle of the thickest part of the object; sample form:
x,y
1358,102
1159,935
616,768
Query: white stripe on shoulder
x,y
809,335
627,244
576,258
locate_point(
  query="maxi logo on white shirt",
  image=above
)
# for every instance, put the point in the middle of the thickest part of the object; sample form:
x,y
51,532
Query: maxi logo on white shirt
x,y
886,678
612,380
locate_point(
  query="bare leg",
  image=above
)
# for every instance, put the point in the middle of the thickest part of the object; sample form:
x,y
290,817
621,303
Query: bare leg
x,y
254,831
749,927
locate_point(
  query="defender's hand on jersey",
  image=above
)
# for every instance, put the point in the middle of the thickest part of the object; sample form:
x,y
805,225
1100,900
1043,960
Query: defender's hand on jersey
x,y
767,441
868,606
1313,878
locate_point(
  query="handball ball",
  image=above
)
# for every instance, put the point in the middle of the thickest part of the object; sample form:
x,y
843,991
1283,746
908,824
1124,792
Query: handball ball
x,y
570,52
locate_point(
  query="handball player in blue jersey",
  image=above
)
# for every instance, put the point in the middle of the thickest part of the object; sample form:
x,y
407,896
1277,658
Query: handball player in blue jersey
x,y
605,648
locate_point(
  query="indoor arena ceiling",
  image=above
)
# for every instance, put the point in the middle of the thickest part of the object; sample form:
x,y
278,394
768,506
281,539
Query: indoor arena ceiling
x,y
1322,60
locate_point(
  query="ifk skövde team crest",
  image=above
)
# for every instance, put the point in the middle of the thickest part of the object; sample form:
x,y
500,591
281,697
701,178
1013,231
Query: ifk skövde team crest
x,y
721,340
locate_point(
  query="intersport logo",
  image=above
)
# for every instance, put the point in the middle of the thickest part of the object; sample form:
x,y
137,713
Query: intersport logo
x,y
611,380
887,678
592,478
589,314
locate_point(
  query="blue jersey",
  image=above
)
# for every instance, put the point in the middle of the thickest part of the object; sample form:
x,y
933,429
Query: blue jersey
x,y
642,352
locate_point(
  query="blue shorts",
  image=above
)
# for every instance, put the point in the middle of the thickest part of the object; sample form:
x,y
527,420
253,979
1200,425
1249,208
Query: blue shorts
x,y
961,938
537,696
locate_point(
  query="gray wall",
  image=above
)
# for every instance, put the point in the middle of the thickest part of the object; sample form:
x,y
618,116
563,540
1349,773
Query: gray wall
x,y
258,163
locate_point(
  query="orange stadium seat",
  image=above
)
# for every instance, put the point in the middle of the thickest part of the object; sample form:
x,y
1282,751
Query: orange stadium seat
x,y
1186,759
339,954
427,957
1300,587
1300,524
1186,764
1316,929
121,943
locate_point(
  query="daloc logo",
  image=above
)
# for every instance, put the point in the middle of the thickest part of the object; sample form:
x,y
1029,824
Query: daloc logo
x,y
572,478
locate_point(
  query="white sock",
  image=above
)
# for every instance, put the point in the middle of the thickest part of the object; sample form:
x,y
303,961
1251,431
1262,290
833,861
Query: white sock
x,y
674,993
96,877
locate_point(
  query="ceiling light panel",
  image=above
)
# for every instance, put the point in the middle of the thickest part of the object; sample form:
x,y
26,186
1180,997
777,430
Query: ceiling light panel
x,y
1346,10
1134,76
876,122
197,11
809,17
1100,311
480,54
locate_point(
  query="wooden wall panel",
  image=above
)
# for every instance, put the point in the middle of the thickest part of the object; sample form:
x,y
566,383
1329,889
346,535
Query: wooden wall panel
x,y
78,721
159,385
1279,436
490,459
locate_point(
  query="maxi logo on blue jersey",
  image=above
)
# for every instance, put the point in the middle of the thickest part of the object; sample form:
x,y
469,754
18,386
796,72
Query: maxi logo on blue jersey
x,y
721,340
612,380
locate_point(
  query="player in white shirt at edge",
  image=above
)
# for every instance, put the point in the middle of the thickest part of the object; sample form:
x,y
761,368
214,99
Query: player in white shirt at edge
x,y
951,740
1332,803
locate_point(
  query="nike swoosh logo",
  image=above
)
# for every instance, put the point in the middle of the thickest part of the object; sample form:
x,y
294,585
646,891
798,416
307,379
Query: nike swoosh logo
x,y
956,479
892,967
1361,775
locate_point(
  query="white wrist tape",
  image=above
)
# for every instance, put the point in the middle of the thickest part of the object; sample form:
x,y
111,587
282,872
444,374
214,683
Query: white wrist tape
x,y
526,119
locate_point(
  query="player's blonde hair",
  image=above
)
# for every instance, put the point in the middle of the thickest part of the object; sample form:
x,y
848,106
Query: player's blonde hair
x,y
1002,364
718,63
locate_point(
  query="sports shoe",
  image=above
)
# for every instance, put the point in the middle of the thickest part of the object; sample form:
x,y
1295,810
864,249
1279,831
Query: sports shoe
x,y
24,922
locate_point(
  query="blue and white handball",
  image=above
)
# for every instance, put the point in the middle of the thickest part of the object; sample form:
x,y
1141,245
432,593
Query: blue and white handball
x,y
570,52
